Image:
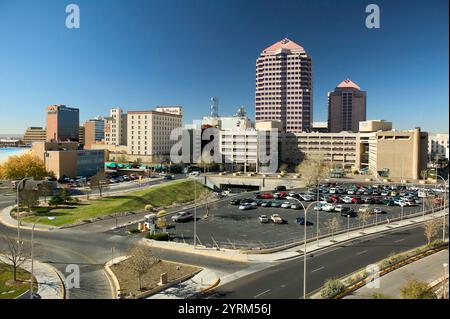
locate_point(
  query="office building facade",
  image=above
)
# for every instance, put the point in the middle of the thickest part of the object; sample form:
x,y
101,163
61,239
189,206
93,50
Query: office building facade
x,y
346,107
62,123
284,86
116,128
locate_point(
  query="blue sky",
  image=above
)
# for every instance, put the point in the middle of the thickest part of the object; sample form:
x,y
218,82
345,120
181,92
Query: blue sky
x,y
138,54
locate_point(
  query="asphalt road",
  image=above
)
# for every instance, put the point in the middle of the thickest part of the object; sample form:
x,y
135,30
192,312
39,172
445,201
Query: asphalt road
x,y
285,280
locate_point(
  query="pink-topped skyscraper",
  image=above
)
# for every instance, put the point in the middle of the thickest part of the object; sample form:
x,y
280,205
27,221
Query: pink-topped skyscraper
x,y
346,107
284,86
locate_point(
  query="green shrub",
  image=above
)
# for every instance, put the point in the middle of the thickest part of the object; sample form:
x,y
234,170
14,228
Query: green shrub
x,y
133,231
158,236
415,289
331,288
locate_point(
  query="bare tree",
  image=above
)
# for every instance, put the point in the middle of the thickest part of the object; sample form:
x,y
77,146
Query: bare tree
x,y
14,252
431,229
45,189
29,198
141,260
312,169
99,182
363,217
333,225
205,198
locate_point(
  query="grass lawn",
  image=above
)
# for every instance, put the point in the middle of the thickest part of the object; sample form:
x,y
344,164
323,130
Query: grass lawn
x,y
161,195
10,289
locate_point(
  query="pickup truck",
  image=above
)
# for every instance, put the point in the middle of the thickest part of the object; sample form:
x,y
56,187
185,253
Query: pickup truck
x,y
276,219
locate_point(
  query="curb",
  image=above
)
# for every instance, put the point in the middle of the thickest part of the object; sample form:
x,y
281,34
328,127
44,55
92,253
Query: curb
x,y
214,285
111,274
22,226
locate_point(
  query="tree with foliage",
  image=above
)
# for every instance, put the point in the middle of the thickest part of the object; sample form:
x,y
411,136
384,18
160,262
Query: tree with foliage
x,y
55,201
26,165
141,259
99,182
65,195
313,169
431,229
415,289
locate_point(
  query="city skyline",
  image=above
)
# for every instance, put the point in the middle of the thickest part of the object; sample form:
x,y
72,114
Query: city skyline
x,y
147,75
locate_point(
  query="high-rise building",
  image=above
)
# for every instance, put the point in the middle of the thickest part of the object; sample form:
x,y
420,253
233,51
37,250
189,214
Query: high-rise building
x,y
438,146
346,107
62,123
284,86
149,133
116,127
94,131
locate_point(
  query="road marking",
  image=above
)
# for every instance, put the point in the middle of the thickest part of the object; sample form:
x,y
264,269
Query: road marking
x,y
397,241
318,269
362,252
258,295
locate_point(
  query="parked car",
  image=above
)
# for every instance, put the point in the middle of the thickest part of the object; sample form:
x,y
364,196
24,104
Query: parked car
x,y
246,206
276,219
364,208
280,188
266,204
356,200
377,210
182,216
318,207
235,202
328,207
338,208
286,205
350,213
296,206
301,221
276,204
347,200
263,219
400,202
267,196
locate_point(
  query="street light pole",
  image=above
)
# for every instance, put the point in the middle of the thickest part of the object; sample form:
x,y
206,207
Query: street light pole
x,y
304,246
195,214
348,226
32,258
445,198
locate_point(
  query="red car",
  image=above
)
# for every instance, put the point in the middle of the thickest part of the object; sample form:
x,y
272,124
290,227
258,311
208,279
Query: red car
x,y
267,196
356,200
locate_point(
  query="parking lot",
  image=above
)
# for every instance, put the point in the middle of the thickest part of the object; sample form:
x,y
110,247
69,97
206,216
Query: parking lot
x,y
228,226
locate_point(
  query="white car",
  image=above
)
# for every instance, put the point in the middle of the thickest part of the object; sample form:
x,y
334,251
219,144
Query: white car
x,y
276,219
263,219
364,208
400,203
347,199
332,190
286,205
306,198
328,207
296,206
318,207
338,208
351,192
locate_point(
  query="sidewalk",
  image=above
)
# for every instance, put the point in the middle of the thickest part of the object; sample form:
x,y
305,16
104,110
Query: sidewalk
x,y
428,269
50,285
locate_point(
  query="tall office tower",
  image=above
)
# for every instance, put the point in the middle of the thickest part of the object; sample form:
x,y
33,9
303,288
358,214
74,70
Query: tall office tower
x,y
284,86
116,127
63,123
346,107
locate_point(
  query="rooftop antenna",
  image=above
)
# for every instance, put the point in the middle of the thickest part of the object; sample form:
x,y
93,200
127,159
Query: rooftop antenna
x,y
214,107
241,112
